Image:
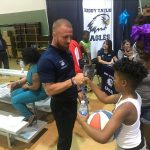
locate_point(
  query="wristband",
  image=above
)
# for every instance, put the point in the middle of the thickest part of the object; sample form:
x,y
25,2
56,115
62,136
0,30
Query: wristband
x,y
73,81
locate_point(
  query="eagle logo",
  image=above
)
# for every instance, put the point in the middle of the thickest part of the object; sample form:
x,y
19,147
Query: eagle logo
x,y
99,23
110,82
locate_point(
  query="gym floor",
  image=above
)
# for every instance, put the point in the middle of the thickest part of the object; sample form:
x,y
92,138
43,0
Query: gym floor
x,y
47,139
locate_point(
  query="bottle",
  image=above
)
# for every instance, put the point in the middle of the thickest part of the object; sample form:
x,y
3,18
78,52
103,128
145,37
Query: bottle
x,y
83,89
21,63
83,108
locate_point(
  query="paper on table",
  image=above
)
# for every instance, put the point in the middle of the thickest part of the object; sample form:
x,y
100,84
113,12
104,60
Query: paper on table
x,y
4,91
10,121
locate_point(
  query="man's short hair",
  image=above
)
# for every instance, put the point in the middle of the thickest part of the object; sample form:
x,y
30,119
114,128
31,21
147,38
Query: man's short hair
x,y
60,22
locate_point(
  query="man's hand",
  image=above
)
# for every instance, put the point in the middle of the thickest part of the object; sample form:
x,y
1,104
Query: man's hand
x,y
79,79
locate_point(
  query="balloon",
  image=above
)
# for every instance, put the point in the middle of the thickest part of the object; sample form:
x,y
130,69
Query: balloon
x,y
123,17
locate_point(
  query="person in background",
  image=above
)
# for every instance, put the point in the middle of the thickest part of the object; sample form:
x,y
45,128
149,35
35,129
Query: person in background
x,y
76,51
141,35
105,56
85,43
126,115
3,53
126,50
57,73
30,88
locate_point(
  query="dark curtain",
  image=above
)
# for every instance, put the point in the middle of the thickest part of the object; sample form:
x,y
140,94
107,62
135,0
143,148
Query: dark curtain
x,y
119,34
72,10
69,9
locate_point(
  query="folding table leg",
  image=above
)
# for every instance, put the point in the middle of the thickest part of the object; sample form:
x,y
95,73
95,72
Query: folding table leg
x,y
10,140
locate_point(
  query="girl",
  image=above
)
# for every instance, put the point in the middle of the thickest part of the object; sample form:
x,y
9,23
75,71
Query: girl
x,y
126,116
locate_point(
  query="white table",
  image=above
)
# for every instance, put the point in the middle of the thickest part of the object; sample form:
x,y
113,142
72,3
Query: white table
x,y
43,105
11,129
19,131
13,72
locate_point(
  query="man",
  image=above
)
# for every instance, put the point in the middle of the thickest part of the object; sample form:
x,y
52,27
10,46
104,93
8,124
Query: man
x,y
3,53
57,73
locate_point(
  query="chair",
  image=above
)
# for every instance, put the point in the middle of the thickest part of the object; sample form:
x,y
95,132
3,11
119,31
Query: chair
x,y
34,110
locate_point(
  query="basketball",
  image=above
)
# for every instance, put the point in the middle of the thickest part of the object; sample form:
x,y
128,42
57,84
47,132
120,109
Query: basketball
x,y
99,119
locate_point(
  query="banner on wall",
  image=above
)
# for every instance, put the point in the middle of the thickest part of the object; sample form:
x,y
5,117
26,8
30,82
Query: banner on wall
x,y
98,20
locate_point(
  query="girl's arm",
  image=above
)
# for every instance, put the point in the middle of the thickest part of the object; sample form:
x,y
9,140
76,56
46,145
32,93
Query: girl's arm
x,y
17,83
35,83
102,96
102,136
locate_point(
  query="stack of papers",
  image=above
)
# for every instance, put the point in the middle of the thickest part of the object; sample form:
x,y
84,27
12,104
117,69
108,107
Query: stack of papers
x,y
10,122
4,91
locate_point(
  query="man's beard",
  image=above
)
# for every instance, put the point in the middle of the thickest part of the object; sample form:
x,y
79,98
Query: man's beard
x,y
60,46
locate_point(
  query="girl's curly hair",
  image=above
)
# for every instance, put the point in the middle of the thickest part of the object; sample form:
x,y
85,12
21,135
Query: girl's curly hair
x,y
30,55
133,71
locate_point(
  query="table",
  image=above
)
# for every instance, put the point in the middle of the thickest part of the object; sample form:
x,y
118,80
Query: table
x,y
19,130
11,129
43,105
13,72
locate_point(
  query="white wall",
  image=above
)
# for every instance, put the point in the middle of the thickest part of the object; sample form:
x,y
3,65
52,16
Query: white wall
x,y
145,2
13,6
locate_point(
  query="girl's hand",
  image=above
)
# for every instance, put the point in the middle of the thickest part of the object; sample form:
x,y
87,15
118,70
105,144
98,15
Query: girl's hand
x,y
87,80
25,86
13,85
81,96
81,118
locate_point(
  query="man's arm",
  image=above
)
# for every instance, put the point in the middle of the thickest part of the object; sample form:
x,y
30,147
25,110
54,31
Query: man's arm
x,y
56,88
